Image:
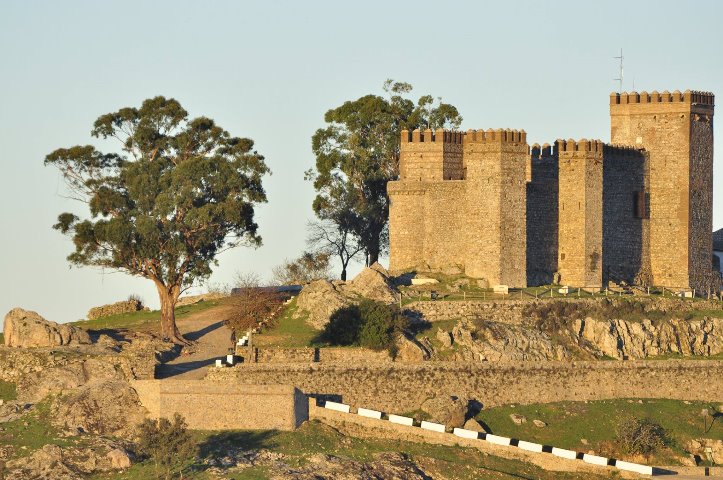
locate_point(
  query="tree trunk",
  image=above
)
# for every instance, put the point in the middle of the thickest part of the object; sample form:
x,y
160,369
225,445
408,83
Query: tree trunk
x,y
343,274
169,331
373,255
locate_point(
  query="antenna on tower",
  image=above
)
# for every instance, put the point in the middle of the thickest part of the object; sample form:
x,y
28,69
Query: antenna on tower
x,y
620,77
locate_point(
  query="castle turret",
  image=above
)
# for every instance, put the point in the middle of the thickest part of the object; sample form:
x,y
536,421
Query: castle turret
x,y
676,131
496,163
580,207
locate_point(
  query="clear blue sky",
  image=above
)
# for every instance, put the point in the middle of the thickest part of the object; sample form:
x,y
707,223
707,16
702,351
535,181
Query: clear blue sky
x,y
269,70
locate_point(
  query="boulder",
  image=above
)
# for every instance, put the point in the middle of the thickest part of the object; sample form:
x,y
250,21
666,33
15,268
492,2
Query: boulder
x,y
474,425
450,411
109,407
518,419
25,329
320,299
373,283
444,337
119,459
410,350
539,423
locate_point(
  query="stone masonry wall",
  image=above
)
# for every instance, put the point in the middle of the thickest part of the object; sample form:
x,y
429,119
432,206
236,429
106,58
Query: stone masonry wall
x,y
661,123
701,185
399,388
625,236
542,217
225,405
580,213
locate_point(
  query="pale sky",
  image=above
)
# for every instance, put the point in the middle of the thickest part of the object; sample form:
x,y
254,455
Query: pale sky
x,y
269,70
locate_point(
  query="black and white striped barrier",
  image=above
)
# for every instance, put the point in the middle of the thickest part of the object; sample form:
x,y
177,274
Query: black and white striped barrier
x,y
496,439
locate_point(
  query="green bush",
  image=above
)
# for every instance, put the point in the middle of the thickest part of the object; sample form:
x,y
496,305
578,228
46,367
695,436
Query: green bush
x,y
168,444
369,324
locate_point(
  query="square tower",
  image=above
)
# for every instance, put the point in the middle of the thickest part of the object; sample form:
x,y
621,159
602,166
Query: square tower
x,y
580,212
676,131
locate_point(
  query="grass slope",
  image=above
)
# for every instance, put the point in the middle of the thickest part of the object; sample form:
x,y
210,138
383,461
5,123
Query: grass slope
x,y
317,438
289,330
569,422
143,320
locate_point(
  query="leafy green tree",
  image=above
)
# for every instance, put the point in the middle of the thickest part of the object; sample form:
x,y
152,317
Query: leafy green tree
x,y
179,192
357,153
167,443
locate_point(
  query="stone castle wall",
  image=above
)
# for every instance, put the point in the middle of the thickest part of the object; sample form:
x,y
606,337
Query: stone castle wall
x,y
638,211
400,388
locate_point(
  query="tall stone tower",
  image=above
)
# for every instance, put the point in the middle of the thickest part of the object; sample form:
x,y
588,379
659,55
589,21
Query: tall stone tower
x,y
580,207
676,131
495,162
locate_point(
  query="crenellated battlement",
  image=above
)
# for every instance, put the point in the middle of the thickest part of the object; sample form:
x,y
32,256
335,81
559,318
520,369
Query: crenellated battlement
x,y
689,96
583,145
540,152
504,135
621,150
429,135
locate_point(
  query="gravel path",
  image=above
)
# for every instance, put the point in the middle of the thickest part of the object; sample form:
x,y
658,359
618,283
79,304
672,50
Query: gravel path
x,y
212,340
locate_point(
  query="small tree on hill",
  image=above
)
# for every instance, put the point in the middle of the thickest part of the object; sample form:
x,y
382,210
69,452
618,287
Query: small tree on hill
x,y
168,444
308,267
180,192
253,305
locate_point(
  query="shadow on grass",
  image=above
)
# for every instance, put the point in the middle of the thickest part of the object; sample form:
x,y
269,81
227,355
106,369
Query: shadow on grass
x,y
220,444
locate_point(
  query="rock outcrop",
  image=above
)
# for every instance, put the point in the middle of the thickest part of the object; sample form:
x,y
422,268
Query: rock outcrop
x,y
494,342
409,350
109,407
373,283
321,298
26,329
632,339
327,467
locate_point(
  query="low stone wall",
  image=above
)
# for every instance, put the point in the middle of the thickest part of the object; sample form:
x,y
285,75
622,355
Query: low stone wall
x,y
399,388
508,311
311,355
224,405
126,306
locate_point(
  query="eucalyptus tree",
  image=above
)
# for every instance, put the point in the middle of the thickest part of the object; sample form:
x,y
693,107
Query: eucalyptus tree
x,y
357,153
176,193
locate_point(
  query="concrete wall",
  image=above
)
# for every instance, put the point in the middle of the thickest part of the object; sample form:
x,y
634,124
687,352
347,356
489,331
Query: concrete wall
x,y
225,405
402,388
310,355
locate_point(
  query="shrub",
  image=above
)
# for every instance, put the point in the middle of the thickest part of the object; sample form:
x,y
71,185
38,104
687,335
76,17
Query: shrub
x,y
640,436
253,305
168,444
369,324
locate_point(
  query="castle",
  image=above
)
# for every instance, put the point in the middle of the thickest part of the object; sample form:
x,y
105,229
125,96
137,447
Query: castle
x,y
578,213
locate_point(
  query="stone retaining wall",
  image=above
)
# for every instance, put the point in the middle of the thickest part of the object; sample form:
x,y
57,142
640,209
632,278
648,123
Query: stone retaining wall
x,y
401,388
224,405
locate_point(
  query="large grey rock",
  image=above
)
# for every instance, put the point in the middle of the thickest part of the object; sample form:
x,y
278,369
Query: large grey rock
x,y
25,329
450,411
409,350
320,299
373,283
109,407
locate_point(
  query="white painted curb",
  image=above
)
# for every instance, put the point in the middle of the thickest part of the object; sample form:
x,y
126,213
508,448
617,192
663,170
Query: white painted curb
x,y
435,427
339,407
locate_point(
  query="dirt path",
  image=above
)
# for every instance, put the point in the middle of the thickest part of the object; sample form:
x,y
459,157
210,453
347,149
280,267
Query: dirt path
x,y
212,340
